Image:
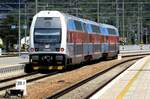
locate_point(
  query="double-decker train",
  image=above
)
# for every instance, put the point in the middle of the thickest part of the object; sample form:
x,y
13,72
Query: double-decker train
x,y
58,40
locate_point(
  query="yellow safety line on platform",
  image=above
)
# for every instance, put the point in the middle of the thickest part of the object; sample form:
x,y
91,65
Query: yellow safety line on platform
x,y
125,90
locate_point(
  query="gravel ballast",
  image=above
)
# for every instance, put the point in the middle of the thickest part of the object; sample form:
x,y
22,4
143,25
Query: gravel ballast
x,y
52,84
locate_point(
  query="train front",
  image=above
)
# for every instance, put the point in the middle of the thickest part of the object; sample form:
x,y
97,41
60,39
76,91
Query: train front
x,y
48,41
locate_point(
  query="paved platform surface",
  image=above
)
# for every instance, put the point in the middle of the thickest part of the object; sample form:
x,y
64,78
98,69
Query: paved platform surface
x,y
8,61
134,83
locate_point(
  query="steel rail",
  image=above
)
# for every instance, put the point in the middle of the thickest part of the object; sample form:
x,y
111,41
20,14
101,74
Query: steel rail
x,y
17,77
28,80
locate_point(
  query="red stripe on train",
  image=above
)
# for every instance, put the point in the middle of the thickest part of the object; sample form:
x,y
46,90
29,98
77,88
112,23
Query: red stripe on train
x,y
82,37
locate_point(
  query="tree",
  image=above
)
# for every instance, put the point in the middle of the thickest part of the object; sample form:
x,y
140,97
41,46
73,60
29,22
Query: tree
x,y
8,35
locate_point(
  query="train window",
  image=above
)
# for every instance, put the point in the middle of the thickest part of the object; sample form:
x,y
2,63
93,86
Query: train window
x,y
44,35
48,18
95,29
71,25
104,31
112,31
48,22
89,28
84,27
78,49
100,29
78,25
112,47
97,47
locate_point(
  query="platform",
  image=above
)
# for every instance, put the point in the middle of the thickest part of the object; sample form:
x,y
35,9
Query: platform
x,y
11,61
134,83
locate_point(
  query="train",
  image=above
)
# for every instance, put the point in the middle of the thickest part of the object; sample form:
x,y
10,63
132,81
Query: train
x,y
59,40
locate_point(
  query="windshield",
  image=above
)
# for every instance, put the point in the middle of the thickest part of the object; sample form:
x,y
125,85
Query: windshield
x,y
47,35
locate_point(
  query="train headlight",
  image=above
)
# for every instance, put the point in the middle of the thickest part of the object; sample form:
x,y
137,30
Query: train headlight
x,y
61,49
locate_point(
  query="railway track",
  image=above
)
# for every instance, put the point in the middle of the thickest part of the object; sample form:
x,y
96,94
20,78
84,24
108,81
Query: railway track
x,y
10,82
17,77
85,88
60,93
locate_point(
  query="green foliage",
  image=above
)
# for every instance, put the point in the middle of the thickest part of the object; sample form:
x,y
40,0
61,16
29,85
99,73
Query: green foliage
x,y
7,34
1,46
135,11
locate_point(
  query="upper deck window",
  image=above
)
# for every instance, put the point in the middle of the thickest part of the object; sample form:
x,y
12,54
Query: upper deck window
x,y
104,30
95,29
89,28
85,27
78,25
112,31
71,25
48,22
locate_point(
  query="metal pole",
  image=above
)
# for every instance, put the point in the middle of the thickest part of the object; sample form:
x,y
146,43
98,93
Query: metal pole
x,y
138,23
36,6
98,11
141,26
25,22
77,8
146,36
19,32
123,20
117,17
46,6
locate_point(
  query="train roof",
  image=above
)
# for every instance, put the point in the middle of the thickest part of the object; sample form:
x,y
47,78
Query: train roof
x,y
89,21
108,26
47,13
81,19
68,17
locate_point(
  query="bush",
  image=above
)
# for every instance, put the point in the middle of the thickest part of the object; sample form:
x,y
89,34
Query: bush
x,y
1,46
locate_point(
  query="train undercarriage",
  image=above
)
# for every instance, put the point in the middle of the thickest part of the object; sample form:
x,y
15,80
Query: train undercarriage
x,y
46,62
